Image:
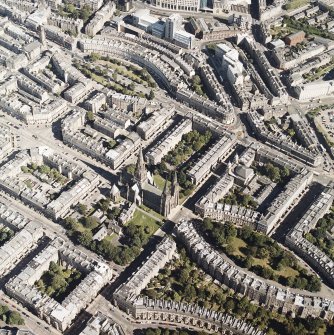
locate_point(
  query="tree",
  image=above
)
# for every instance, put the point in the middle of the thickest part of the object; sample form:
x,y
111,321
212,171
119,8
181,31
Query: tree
x,y
106,249
184,275
90,116
94,56
3,309
151,332
230,249
25,169
14,318
285,172
130,169
40,285
267,273
33,166
44,169
28,183
55,268
249,262
114,213
245,233
111,144
271,332
58,282
91,222
196,80
229,305
262,253
207,224
190,292
82,209
71,223
104,204
70,8
143,73
312,324
314,284
273,172
85,238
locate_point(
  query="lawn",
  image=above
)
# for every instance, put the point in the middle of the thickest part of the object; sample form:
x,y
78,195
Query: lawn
x,y
238,243
296,4
264,262
287,272
160,181
81,228
110,237
125,71
99,79
142,219
151,211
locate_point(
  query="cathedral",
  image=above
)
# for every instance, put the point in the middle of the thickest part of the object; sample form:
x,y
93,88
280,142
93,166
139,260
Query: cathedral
x,y
142,189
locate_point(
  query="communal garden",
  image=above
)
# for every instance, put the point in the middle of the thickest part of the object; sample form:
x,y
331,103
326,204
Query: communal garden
x,y
181,280
260,254
58,281
322,235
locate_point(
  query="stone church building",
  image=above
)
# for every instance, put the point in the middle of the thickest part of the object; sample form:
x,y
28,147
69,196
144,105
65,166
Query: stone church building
x,y
143,190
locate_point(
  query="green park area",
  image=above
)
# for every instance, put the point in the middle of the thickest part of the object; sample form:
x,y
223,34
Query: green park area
x,y
190,143
144,220
260,254
58,281
70,11
321,235
274,173
181,280
130,71
111,72
319,72
297,25
136,232
197,85
160,181
179,159
294,4
51,173
236,197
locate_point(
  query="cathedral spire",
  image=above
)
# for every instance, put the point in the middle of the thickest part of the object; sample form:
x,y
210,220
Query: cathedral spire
x,y
166,188
140,171
175,190
175,182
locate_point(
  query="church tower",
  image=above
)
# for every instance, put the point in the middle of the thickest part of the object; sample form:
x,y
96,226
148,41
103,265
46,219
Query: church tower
x,y
165,204
175,191
140,175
